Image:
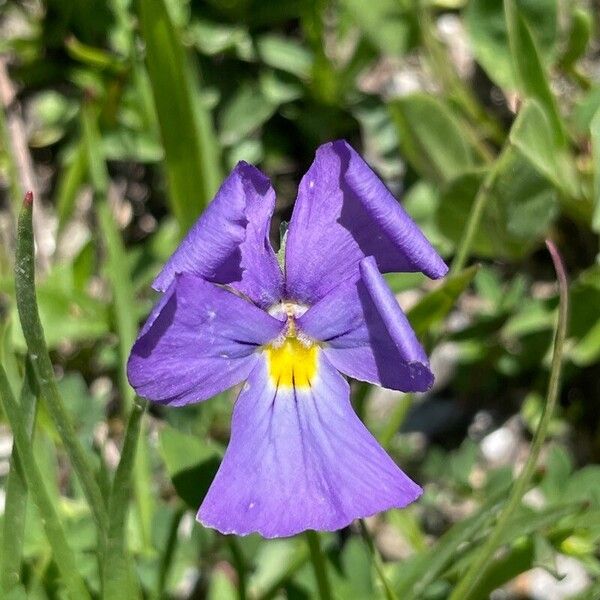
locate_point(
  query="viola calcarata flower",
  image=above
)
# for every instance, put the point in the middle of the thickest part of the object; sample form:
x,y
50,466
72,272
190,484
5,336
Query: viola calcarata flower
x,y
299,457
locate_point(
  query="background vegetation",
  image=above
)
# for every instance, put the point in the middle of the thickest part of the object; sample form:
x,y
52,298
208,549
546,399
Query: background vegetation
x,y
122,116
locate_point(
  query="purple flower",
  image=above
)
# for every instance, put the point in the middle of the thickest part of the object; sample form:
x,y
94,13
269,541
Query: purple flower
x,y
299,458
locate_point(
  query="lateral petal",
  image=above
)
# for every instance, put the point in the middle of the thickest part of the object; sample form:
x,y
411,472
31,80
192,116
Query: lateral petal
x,y
367,335
200,340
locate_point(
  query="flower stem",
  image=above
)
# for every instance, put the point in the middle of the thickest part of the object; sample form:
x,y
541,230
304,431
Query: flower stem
x,y
61,552
477,568
42,365
319,565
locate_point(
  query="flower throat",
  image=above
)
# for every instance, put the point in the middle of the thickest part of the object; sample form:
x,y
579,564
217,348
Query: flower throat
x,y
292,358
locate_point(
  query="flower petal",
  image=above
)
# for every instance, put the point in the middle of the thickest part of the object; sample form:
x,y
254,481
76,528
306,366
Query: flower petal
x,y
344,213
367,335
201,340
229,243
299,458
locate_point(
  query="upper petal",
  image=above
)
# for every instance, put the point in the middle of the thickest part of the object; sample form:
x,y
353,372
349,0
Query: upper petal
x,y
200,340
299,458
343,213
367,335
230,241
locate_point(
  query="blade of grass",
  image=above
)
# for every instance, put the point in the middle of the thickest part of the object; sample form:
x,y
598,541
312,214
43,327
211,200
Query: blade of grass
x,y
429,565
595,138
61,551
239,562
16,493
117,270
118,581
123,301
388,591
42,365
168,552
477,568
192,154
481,200
71,177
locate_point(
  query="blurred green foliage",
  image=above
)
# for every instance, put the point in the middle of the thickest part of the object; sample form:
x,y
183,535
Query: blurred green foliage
x,y
482,115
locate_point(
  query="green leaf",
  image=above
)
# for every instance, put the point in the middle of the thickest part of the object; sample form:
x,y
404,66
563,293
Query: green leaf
x,y
51,114
214,38
584,110
191,464
247,110
530,72
389,25
285,54
521,207
431,137
532,134
486,26
435,305
192,154
585,317
129,145
582,23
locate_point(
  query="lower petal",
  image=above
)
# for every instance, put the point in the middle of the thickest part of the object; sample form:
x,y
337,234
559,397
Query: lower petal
x,y
299,458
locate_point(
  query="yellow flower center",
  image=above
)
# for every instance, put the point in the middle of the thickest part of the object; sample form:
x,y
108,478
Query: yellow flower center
x,y
292,363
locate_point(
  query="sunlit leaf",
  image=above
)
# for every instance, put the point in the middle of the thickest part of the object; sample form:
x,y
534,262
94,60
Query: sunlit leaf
x,y
430,137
